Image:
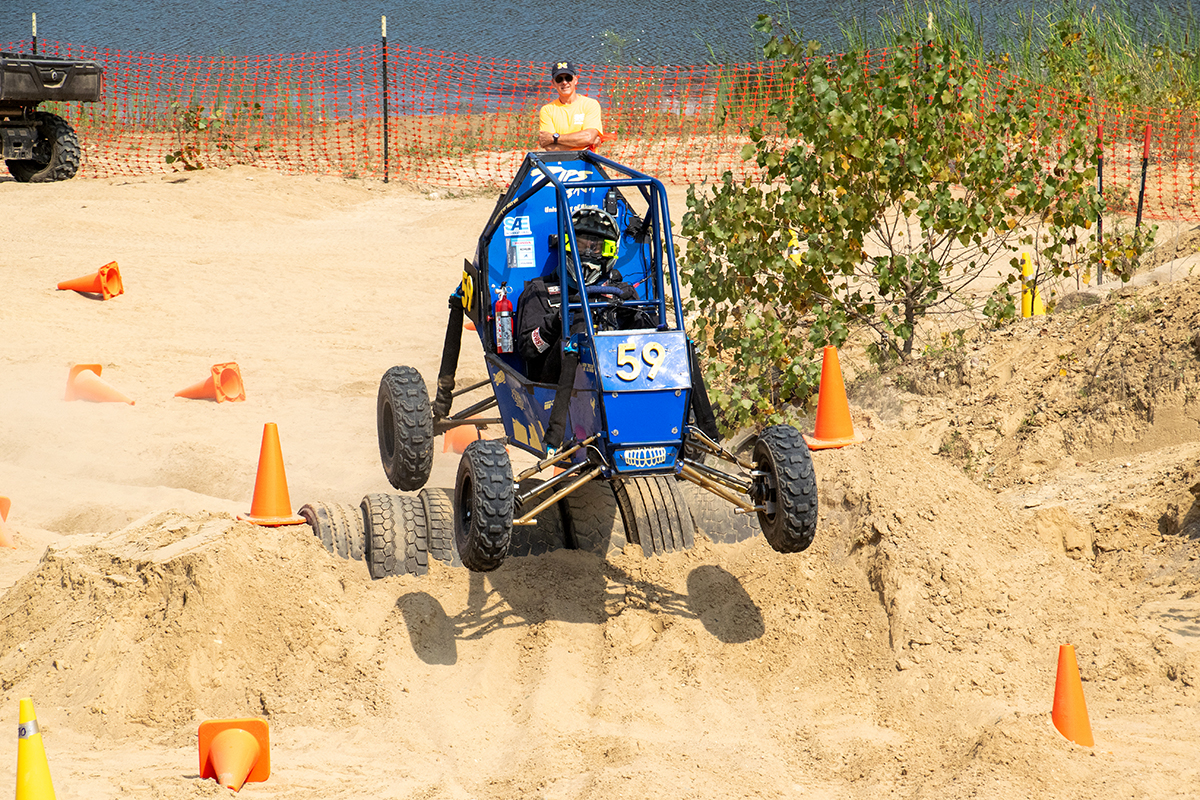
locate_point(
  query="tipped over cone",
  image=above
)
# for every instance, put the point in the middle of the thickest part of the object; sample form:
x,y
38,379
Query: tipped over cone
x,y
105,282
458,438
33,770
224,383
84,383
1070,710
6,537
271,504
833,427
235,751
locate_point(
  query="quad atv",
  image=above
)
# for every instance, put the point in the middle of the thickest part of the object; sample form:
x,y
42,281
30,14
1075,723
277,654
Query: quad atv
x,y
37,146
628,418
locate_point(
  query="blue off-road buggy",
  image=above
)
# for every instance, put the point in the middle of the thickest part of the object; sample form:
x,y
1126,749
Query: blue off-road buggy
x,y
625,422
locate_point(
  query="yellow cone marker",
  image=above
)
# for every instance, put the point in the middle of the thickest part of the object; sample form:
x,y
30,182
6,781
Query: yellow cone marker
x,y
1031,298
33,771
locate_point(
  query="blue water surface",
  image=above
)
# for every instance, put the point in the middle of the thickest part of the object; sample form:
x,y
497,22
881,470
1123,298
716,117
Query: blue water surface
x,y
593,32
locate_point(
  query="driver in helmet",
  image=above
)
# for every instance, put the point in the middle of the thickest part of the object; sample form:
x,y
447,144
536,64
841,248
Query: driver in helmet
x,y
539,311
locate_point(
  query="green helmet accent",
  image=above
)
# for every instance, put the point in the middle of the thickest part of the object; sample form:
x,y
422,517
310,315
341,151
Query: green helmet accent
x,y
597,236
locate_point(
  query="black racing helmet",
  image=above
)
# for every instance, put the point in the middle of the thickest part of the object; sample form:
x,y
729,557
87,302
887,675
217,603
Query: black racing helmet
x,y
597,236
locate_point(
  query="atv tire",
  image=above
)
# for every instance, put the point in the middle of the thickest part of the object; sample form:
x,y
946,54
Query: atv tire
x,y
483,505
788,489
56,153
548,535
397,535
655,514
339,526
594,522
405,422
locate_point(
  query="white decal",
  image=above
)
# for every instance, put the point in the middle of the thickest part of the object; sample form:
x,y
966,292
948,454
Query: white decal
x,y
517,226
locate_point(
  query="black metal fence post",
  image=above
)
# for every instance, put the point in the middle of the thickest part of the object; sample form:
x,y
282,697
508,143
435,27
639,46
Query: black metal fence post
x,y
386,121
1145,163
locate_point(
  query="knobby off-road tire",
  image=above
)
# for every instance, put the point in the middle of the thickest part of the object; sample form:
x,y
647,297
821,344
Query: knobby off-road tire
x,y
789,489
339,526
397,536
56,153
483,505
405,422
594,522
655,514
439,521
548,535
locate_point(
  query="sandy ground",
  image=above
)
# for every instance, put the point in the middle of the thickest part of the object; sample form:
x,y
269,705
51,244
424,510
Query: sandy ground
x,y
909,653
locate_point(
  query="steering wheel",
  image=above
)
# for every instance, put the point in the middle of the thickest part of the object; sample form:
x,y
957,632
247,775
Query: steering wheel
x,y
601,290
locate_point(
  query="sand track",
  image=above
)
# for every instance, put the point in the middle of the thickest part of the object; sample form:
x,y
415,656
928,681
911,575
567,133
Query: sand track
x,y
909,653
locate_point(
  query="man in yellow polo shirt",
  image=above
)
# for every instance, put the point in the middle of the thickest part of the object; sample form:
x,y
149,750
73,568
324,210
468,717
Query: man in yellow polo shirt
x,y
572,121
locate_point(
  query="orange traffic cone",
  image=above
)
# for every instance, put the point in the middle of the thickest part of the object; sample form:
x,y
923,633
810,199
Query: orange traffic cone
x,y
6,537
469,325
1070,710
235,751
271,504
33,771
105,282
225,383
833,428
458,438
84,383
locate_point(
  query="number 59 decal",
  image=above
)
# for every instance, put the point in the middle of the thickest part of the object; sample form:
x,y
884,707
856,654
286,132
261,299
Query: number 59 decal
x,y
653,354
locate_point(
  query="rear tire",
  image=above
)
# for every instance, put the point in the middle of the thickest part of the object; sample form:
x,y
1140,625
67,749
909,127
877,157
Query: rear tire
x,y
655,514
56,152
594,521
439,520
397,536
789,489
483,505
339,526
404,420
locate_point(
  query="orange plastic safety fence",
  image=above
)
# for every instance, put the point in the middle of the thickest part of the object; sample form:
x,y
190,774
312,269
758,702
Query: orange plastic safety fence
x,y
458,120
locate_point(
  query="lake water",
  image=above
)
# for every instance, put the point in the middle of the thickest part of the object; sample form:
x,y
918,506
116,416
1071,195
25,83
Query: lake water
x,y
647,32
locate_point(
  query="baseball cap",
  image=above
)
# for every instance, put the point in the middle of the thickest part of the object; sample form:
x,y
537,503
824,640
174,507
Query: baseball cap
x,y
562,68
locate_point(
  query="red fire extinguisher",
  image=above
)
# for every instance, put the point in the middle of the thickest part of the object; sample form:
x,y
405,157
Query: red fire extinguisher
x,y
504,321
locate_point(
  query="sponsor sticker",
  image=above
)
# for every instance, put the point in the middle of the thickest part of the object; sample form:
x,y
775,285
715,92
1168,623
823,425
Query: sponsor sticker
x,y
517,226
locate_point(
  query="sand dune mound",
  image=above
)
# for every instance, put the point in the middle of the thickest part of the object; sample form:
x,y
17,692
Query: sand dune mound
x,y
178,617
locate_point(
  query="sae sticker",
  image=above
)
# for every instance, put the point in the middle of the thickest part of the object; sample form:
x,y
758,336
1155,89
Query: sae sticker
x,y
520,253
517,226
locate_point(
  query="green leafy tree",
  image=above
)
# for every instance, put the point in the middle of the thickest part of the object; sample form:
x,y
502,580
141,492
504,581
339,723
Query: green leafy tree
x,y
884,193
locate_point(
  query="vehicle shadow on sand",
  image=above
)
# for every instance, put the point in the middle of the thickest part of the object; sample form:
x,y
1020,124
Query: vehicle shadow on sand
x,y
508,598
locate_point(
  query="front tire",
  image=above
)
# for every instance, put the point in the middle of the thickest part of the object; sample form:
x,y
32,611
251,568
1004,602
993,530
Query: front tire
x,y
404,419
787,487
483,506
56,153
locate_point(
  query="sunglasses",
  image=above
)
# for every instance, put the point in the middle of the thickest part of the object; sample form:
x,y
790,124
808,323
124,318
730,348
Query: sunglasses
x,y
564,79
